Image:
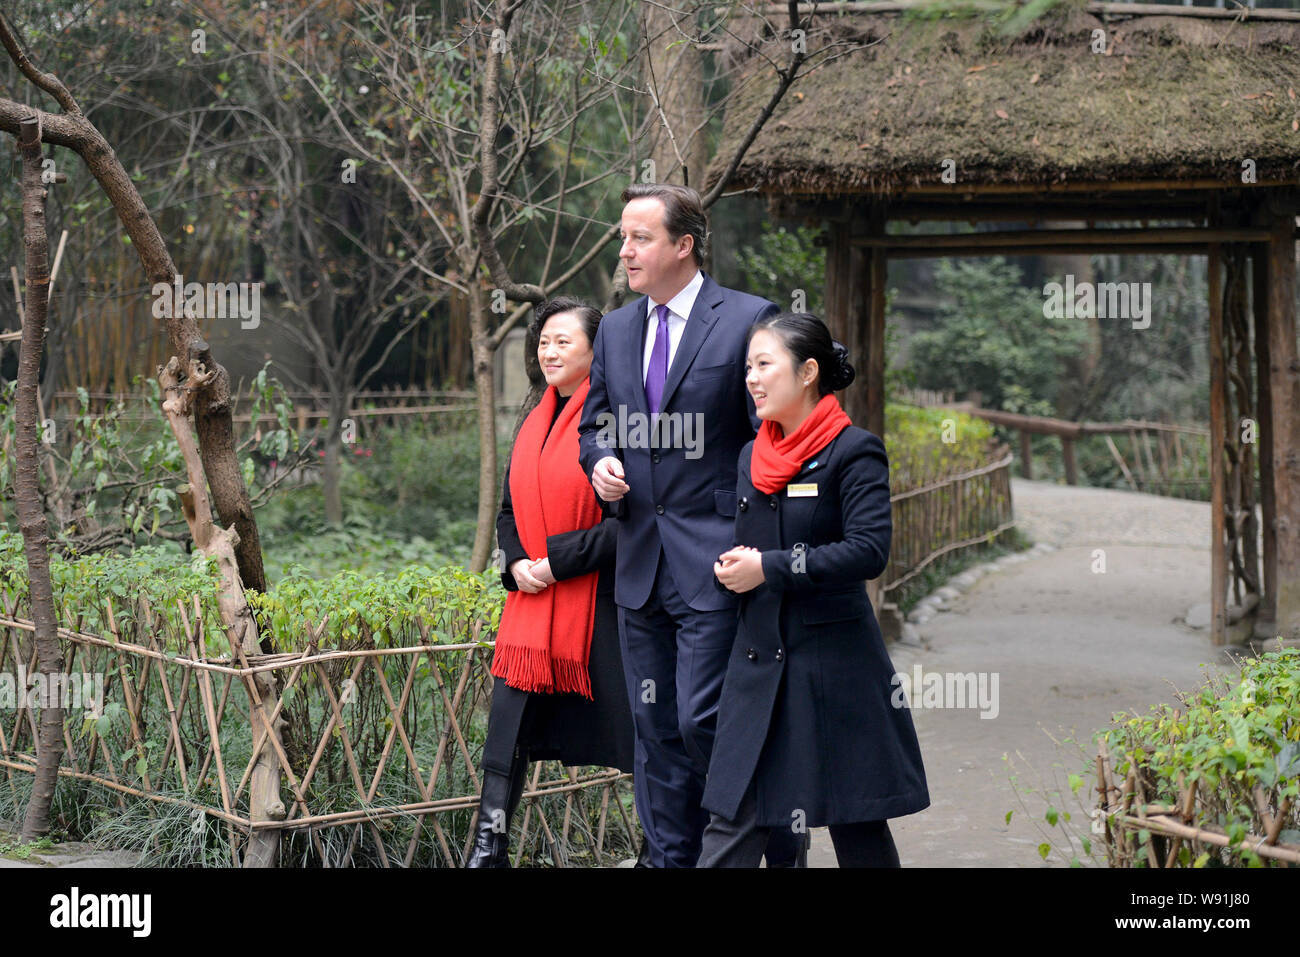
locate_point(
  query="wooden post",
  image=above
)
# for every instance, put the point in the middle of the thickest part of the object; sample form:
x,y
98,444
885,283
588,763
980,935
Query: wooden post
x,y
1026,454
1067,455
1218,435
875,345
1267,613
847,295
1284,384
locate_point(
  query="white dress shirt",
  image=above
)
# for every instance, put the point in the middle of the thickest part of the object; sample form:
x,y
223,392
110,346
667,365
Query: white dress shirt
x,y
679,308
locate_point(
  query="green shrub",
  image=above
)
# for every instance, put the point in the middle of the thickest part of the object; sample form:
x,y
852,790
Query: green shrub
x,y
916,440
1228,740
366,607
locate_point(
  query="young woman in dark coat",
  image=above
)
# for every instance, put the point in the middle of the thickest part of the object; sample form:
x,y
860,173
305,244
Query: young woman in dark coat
x,y
559,690
807,735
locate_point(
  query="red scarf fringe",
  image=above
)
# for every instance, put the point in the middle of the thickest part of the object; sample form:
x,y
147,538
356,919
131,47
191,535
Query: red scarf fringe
x,y
545,639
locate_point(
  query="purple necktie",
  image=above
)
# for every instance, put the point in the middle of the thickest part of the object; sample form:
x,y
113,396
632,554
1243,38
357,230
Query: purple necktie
x,y
657,374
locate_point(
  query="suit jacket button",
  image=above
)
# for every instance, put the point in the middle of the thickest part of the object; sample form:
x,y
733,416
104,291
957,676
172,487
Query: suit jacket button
x,y
772,502
780,655
655,458
659,509
743,504
751,654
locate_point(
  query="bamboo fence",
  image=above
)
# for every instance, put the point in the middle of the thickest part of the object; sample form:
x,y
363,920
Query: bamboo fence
x,y
954,512
1123,811
394,730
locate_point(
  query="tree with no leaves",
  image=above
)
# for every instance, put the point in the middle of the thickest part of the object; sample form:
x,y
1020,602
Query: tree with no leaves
x,y
211,387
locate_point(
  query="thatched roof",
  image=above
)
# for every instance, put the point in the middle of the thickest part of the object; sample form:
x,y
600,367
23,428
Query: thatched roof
x,y
1175,98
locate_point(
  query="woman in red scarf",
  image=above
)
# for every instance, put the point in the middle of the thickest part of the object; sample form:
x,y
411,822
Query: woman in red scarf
x,y
559,690
809,734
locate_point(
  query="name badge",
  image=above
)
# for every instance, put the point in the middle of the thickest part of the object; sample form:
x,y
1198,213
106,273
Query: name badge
x,y
805,490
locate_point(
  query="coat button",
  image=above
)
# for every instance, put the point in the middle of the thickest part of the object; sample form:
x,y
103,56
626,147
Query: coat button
x,y
743,504
780,655
751,654
772,502
659,509
655,458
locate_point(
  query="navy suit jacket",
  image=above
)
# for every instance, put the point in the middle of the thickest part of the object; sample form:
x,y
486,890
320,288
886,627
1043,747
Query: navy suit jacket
x,y
683,490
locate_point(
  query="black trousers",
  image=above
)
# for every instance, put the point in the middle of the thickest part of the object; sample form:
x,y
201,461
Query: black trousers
x,y
510,725
740,842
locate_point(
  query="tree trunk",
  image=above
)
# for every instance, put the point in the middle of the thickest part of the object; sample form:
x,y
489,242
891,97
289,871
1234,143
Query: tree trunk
x,y
679,152
27,495
485,394
264,803
331,473
212,409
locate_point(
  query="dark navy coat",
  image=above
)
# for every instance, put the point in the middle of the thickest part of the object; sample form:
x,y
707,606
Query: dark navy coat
x,y
683,495
806,705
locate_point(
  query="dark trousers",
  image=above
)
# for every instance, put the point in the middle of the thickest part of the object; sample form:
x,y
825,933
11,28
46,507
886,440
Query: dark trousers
x,y
509,723
675,658
739,842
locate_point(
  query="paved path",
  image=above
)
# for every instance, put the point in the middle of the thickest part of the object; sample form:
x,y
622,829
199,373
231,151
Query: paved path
x,y
1070,647
71,854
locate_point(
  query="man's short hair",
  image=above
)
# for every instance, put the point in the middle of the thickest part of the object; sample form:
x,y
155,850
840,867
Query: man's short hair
x,y
683,212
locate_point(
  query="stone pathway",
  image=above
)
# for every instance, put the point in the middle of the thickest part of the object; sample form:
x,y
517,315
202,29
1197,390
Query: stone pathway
x,y
1070,646
71,854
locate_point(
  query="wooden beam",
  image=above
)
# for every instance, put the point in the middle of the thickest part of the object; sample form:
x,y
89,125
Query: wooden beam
x,y
1054,237
1267,613
743,182
869,8
1218,472
1021,213
1208,13
1177,249
1284,384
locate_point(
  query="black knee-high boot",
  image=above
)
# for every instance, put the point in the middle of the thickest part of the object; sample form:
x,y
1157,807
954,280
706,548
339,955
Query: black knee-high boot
x,y
498,800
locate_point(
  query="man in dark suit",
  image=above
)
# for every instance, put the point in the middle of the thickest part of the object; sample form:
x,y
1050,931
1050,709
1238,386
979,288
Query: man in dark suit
x,y
663,424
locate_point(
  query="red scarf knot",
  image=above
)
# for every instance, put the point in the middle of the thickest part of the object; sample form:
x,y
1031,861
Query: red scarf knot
x,y
778,457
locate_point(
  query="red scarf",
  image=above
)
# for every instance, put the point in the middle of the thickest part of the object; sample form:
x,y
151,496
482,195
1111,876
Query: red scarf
x,y
544,639
777,457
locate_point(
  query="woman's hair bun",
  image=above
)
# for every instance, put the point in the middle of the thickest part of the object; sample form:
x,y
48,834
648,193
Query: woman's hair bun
x,y
841,374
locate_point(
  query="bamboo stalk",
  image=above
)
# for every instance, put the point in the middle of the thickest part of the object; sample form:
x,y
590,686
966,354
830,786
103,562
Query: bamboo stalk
x,y
115,785
461,803
1169,825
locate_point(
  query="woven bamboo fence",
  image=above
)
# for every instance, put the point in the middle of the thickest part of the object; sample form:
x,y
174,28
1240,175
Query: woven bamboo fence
x,y
1124,810
379,762
954,512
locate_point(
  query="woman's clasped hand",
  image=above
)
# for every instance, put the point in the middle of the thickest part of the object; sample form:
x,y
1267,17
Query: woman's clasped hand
x,y
532,575
740,569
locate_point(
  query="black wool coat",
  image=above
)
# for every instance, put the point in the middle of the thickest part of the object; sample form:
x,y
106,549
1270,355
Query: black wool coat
x,y
568,727
806,709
